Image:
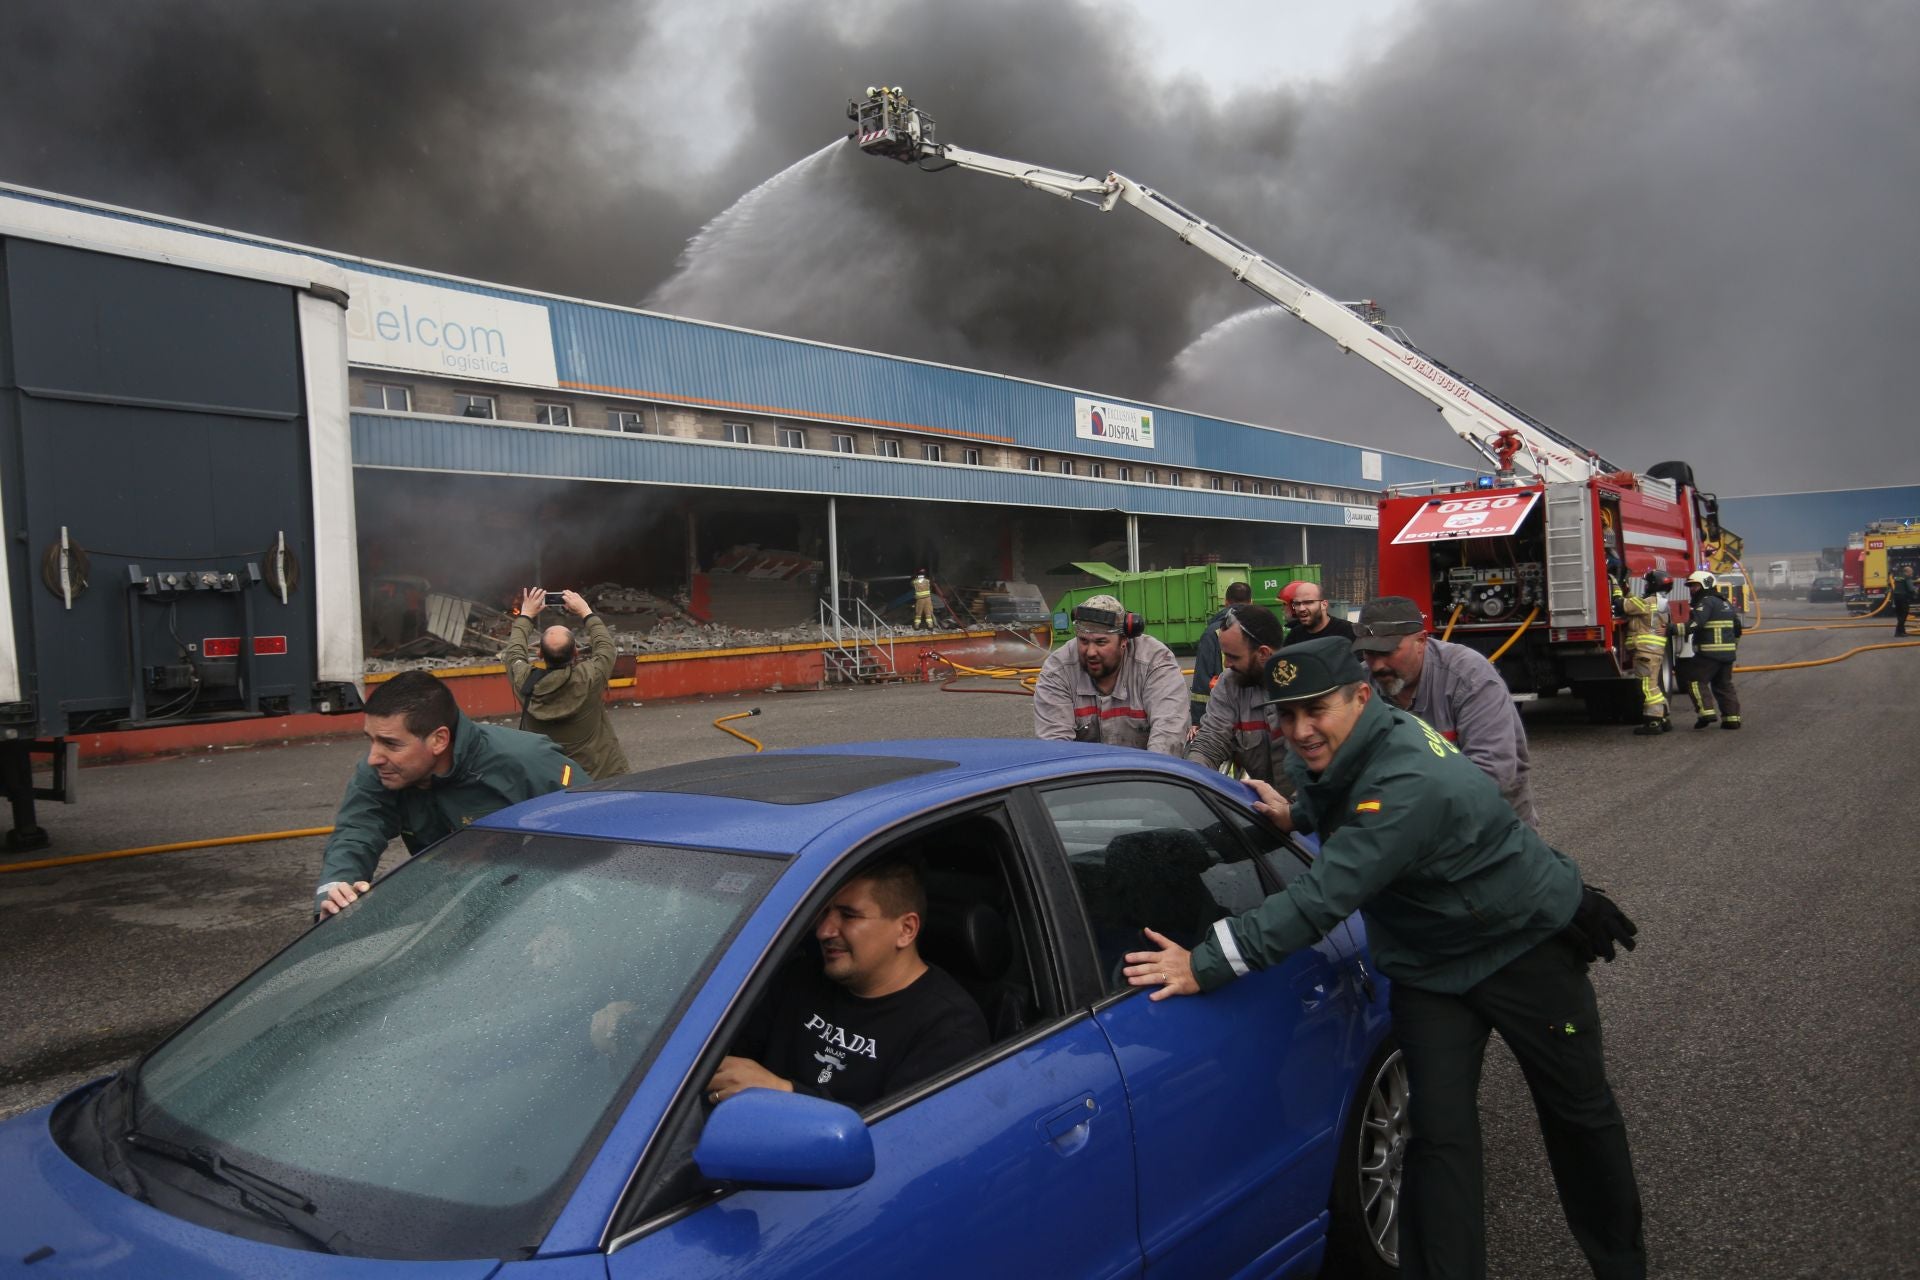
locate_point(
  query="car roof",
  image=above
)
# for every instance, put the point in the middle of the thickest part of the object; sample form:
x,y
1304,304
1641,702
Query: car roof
x,y
782,801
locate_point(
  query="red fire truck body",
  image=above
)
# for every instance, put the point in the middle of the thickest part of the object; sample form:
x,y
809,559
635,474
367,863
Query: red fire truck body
x,y
1518,571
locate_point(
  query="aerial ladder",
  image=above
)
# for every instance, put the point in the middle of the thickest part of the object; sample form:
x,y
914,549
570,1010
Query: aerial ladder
x,y
1553,574
886,123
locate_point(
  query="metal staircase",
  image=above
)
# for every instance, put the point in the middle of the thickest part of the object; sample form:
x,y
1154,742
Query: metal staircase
x,y
856,655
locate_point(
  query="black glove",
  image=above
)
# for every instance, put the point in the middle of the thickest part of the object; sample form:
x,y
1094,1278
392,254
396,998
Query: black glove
x,y
1598,924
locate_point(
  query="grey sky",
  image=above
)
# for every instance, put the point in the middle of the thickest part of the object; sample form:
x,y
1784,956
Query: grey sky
x,y
1668,230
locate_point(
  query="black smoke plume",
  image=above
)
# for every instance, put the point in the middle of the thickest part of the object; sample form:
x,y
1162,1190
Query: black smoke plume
x,y
1667,230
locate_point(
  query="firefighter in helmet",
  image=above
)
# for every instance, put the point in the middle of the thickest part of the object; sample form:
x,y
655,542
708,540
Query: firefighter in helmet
x,y
1715,630
922,601
1646,618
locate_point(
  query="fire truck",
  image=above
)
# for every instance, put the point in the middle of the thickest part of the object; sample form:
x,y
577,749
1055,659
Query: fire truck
x,y
1883,549
1520,565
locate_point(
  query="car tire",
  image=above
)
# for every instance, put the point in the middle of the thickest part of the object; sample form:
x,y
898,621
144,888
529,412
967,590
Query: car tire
x,y
1363,1237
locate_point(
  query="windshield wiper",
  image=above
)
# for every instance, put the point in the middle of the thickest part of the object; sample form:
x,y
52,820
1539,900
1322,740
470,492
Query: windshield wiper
x,y
267,1198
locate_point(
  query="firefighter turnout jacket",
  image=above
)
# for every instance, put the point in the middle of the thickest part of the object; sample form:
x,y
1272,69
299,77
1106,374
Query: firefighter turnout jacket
x,y
1419,840
1714,626
1646,622
1147,707
1235,730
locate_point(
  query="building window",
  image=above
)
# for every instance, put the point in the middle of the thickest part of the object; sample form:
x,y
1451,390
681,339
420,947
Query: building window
x,y
842,444
792,438
389,396
1066,466
1239,485
1150,476
739,432
625,420
1126,473
1173,478
1034,463
1098,470
929,453
552,415
1213,483
887,448
474,406
970,456
1286,491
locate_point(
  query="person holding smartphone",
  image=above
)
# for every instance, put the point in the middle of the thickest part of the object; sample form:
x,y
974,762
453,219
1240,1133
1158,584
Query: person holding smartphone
x,y
566,698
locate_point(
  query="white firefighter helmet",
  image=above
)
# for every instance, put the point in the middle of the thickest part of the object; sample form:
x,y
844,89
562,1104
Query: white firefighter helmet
x,y
1700,580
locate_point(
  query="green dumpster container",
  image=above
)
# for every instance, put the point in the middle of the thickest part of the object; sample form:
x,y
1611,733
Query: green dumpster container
x,y
1174,603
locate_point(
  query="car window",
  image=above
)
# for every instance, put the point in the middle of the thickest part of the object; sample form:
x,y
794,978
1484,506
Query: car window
x,y
1283,859
1149,854
432,1068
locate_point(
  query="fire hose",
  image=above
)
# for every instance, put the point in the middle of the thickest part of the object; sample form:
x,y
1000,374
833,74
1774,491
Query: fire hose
x,y
1027,676
721,725
42,864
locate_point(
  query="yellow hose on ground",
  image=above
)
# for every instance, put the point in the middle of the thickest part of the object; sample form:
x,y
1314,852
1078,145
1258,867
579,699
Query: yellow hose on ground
x,y
176,847
1448,633
1517,633
1839,657
721,725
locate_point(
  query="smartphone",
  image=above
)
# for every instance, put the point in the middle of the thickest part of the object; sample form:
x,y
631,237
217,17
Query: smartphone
x,y
556,600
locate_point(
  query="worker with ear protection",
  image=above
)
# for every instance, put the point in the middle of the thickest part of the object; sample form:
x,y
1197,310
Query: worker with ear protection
x,y
1112,683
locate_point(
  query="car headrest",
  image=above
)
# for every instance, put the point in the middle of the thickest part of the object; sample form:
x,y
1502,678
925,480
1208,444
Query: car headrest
x,y
970,940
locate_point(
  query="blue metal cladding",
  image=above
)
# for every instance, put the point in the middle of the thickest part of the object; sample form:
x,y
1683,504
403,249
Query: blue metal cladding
x,y
414,442
1787,523
616,351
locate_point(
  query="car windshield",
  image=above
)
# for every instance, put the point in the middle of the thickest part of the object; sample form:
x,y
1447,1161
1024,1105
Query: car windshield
x,y
434,1067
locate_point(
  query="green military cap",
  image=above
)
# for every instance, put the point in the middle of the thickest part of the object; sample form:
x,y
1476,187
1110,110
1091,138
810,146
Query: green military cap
x,y
1311,669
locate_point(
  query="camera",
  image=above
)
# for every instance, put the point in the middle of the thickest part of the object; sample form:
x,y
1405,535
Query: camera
x,y
556,599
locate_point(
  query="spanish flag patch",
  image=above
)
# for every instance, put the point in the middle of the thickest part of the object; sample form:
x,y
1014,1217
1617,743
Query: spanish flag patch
x,y
1367,806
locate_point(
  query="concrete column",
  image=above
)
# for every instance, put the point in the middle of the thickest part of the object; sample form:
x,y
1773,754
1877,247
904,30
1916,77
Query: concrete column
x,y
1304,557
1133,544
833,562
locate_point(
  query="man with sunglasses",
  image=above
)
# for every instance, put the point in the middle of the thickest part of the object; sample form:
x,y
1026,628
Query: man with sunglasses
x,y
1236,729
1106,685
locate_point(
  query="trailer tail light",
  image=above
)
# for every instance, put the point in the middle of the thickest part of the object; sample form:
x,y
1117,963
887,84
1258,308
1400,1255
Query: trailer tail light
x,y
1577,635
229,646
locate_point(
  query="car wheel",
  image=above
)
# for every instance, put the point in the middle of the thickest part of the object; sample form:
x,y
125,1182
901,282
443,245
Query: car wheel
x,y
1363,1238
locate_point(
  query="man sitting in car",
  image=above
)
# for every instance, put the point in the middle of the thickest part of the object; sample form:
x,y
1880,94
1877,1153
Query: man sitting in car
x,y
874,1019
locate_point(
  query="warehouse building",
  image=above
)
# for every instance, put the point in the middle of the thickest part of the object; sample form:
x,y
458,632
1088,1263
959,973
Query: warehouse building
x,y
502,437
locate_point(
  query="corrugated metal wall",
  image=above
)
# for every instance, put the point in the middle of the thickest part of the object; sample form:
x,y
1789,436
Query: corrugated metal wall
x,y
494,447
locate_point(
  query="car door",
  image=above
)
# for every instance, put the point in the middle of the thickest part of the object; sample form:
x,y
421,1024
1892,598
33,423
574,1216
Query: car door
x,y
1018,1163
1237,1094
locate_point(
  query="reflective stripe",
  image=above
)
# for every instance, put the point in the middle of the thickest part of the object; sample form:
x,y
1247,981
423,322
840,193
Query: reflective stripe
x,y
1229,948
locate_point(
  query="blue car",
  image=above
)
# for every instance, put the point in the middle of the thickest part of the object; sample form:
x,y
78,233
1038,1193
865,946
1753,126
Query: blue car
x,y
497,1062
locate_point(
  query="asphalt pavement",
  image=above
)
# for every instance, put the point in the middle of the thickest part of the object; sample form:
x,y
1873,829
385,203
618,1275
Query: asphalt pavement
x,y
1761,1039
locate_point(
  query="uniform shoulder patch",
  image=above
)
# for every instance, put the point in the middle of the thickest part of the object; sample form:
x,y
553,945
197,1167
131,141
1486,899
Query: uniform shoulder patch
x,y
1367,806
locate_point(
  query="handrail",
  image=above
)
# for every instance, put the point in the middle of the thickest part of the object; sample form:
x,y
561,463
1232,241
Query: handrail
x,y
849,636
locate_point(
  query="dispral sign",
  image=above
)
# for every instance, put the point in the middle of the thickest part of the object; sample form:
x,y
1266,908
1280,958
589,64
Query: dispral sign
x,y
1112,423
402,324
1467,518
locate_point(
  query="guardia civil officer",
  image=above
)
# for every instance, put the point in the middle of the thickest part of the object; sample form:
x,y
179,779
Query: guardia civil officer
x,y
1480,925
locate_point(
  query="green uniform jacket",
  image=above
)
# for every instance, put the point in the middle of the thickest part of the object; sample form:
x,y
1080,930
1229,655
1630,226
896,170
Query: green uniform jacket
x,y
1414,836
569,705
493,767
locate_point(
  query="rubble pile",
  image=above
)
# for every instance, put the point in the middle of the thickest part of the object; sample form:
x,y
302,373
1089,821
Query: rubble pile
x,y
441,631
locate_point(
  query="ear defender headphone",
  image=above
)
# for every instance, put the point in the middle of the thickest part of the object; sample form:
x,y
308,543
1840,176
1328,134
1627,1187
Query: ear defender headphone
x,y
1130,625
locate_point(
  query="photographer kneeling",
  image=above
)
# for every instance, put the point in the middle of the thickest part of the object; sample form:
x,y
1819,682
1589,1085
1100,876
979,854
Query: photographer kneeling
x,y
567,700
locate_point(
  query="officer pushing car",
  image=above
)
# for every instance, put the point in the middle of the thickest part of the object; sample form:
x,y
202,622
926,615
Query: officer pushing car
x,y
1481,926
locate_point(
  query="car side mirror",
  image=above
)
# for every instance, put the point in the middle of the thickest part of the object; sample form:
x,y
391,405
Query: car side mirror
x,y
769,1138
